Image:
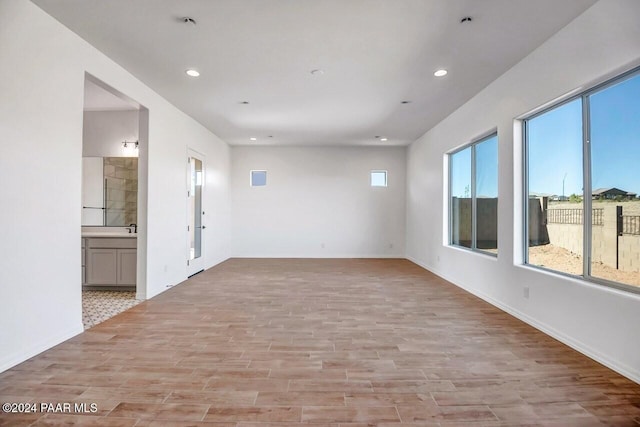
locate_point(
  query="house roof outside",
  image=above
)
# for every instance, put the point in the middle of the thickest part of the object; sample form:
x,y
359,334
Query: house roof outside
x,y
612,191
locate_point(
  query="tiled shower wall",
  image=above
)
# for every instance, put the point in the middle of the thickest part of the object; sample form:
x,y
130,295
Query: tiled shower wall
x,y
121,175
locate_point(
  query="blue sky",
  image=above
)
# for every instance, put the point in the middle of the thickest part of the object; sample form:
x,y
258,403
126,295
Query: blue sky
x,y
486,170
555,148
555,143
615,136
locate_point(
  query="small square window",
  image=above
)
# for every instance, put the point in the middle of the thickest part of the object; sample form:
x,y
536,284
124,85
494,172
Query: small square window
x,y
378,178
258,178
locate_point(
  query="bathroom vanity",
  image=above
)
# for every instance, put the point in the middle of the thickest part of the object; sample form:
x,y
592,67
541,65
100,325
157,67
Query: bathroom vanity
x,y
109,259
109,214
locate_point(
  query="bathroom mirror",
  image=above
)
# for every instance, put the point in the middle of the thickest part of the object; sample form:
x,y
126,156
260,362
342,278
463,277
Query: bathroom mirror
x,y
109,191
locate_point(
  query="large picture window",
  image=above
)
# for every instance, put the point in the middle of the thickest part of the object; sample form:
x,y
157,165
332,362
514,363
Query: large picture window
x,y
473,196
582,184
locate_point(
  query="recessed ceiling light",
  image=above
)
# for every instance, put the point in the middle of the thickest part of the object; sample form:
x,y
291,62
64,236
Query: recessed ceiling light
x,y
406,102
192,73
244,102
440,73
253,139
383,139
317,72
189,21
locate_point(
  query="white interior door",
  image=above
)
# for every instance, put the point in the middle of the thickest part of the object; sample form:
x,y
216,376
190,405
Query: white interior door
x,y
195,214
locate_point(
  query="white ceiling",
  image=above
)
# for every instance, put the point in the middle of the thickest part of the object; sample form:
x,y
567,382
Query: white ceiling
x,y
374,54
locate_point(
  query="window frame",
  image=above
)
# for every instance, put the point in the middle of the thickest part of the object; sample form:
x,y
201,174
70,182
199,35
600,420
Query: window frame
x,y
587,206
474,220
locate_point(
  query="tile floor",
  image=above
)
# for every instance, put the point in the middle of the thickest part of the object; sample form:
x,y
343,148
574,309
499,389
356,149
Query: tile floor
x,y
352,343
98,306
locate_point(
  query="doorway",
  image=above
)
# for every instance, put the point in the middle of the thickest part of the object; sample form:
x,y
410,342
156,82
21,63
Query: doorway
x,y
195,212
114,202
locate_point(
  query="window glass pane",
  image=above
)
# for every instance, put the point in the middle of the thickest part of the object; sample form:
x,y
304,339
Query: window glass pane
x,y
615,179
555,210
258,178
378,178
460,188
195,209
487,194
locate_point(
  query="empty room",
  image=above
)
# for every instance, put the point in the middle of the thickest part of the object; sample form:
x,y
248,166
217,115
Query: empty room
x,y
320,212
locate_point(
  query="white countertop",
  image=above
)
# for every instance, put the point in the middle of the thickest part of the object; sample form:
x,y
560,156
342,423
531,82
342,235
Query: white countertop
x,y
109,234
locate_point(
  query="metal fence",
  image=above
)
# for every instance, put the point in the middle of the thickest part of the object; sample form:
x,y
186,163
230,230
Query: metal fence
x,y
574,216
631,224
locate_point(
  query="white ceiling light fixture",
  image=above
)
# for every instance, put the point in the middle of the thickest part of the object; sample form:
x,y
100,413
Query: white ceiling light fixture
x,y
383,139
440,73
253,139
192,73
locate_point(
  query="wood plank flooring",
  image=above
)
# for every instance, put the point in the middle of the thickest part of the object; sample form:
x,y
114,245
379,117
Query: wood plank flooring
x,y
254,343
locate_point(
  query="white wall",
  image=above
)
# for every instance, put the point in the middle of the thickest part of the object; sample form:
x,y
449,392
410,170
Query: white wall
x,y
317,196
596,320
104,131
42,71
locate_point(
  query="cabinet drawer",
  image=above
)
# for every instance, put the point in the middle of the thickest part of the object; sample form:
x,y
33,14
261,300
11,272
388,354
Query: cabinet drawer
x,y
123,243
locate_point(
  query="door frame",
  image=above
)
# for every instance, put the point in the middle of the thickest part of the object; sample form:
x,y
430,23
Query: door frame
x,y
196,265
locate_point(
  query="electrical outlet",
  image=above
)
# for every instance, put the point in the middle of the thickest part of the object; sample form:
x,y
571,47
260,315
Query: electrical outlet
x,y
525,292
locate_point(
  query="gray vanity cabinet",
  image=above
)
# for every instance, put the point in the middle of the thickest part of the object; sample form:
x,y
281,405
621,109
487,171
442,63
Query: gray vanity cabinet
x,y
111,261
101,266
127,260
84,261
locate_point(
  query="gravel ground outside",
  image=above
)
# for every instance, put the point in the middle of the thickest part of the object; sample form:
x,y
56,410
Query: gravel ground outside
x,y
560,259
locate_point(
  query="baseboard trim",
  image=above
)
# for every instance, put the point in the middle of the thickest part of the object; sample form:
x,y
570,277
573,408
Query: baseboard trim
x,y
579,346
216,262
19,357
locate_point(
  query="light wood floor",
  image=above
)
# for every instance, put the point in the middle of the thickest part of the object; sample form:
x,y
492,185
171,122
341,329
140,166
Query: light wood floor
x,y
354,342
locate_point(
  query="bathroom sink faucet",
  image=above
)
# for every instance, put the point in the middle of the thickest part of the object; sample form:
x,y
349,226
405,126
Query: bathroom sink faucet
x,y
135,228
